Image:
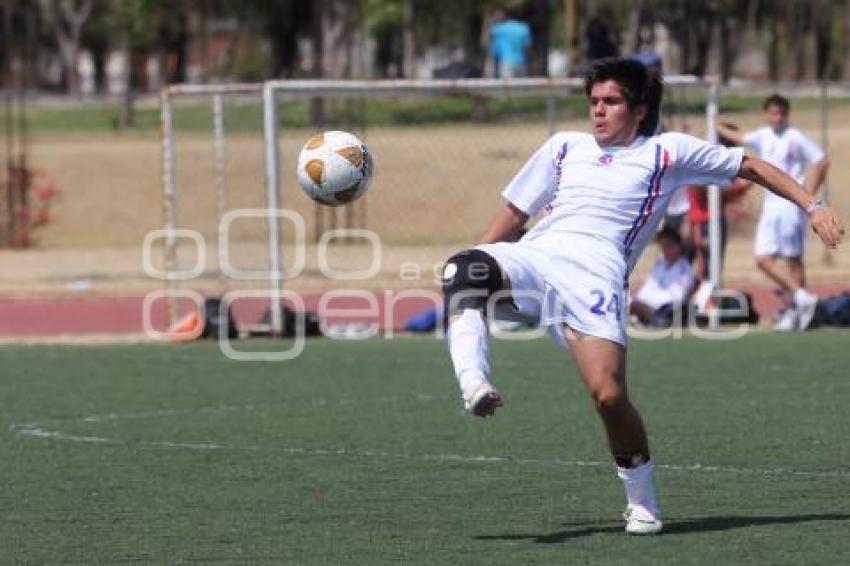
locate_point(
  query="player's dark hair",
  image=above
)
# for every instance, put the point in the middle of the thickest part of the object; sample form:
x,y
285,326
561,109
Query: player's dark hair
x,y
777,100
670,234
639,86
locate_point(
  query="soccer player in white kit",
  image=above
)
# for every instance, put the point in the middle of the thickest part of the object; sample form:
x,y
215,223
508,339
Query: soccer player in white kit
x,y
781,230
603,195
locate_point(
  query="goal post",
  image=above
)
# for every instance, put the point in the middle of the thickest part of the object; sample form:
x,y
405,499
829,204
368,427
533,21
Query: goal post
x,y
216,94
271,136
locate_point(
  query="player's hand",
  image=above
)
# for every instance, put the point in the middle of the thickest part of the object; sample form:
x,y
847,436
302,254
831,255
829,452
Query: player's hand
x,y
828,225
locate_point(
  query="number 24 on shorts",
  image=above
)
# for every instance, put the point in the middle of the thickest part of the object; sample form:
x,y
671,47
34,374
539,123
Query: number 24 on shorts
x,y
612,306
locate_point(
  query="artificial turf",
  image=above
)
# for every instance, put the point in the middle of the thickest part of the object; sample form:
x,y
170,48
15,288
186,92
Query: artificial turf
x,y
359,453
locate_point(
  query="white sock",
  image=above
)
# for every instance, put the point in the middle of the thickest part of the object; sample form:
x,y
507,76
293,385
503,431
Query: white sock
x,y
801,296
469,347
640,489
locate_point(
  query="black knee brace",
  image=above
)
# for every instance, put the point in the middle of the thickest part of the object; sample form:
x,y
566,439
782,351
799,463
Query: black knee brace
x,y
469,278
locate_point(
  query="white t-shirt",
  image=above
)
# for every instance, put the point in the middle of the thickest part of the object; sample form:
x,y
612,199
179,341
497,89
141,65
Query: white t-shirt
x,y
667,284
790,150
611,199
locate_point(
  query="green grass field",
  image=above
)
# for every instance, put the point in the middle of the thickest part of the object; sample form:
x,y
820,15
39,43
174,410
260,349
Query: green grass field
x,y
358,453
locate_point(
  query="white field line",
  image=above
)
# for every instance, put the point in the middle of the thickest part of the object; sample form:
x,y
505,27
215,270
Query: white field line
x,y
35,430
224,409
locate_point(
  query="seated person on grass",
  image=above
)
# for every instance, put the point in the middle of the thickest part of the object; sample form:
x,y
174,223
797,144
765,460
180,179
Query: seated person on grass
x,y
668,286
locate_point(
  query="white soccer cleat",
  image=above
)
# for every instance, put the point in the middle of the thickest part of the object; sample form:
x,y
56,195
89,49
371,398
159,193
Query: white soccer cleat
x,y
641,521
787,320
482,400
807,304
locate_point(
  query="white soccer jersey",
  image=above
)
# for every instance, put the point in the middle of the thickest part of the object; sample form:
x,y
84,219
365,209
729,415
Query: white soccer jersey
x,y
614,198
790,150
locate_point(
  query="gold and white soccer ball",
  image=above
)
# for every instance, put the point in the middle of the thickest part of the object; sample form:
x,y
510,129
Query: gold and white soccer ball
x,y
335,168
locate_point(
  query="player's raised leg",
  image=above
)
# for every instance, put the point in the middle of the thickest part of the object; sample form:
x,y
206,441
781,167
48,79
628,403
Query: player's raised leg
x,y
469,279
602,364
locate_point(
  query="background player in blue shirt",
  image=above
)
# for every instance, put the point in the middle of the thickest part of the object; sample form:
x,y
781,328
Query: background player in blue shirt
x,y
510,45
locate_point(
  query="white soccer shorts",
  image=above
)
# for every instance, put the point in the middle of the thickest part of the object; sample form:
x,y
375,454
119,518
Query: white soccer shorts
x,y
781,233
553,278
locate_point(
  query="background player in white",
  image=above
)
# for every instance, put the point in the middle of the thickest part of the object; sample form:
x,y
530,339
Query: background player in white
x,y
603,195
781,231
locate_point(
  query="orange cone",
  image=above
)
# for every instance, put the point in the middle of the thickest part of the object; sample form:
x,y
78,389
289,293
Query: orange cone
x,y
188,328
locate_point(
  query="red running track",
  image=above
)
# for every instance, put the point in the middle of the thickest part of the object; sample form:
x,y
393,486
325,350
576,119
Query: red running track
x,y
43,317
40,317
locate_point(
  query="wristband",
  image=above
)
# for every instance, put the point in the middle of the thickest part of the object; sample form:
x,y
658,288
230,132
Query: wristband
x,y
816,205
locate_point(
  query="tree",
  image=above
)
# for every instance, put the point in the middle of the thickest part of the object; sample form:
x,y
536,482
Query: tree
x,y
339,21
823,13
137,27
734,18
281,22
408,42
65,19
383,20
843,24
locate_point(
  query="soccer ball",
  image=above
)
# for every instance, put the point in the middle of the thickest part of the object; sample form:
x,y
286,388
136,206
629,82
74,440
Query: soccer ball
x,y
334,168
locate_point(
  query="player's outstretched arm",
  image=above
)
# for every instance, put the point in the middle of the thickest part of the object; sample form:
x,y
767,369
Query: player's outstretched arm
x,y
735,136
505,226
826,222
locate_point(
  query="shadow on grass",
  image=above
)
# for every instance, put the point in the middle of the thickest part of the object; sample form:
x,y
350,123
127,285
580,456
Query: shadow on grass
x,y
671,527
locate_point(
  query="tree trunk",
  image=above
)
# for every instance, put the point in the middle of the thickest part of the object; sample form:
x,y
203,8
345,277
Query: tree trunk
x,y
408,40
731,35
794,39
540,20
726,35
66,19
339,28
684,34
845,65
99,52
68,51
204,32
126,110
571,35
180,49
704,30
282,28
317,104
643,19
822,17
773,49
